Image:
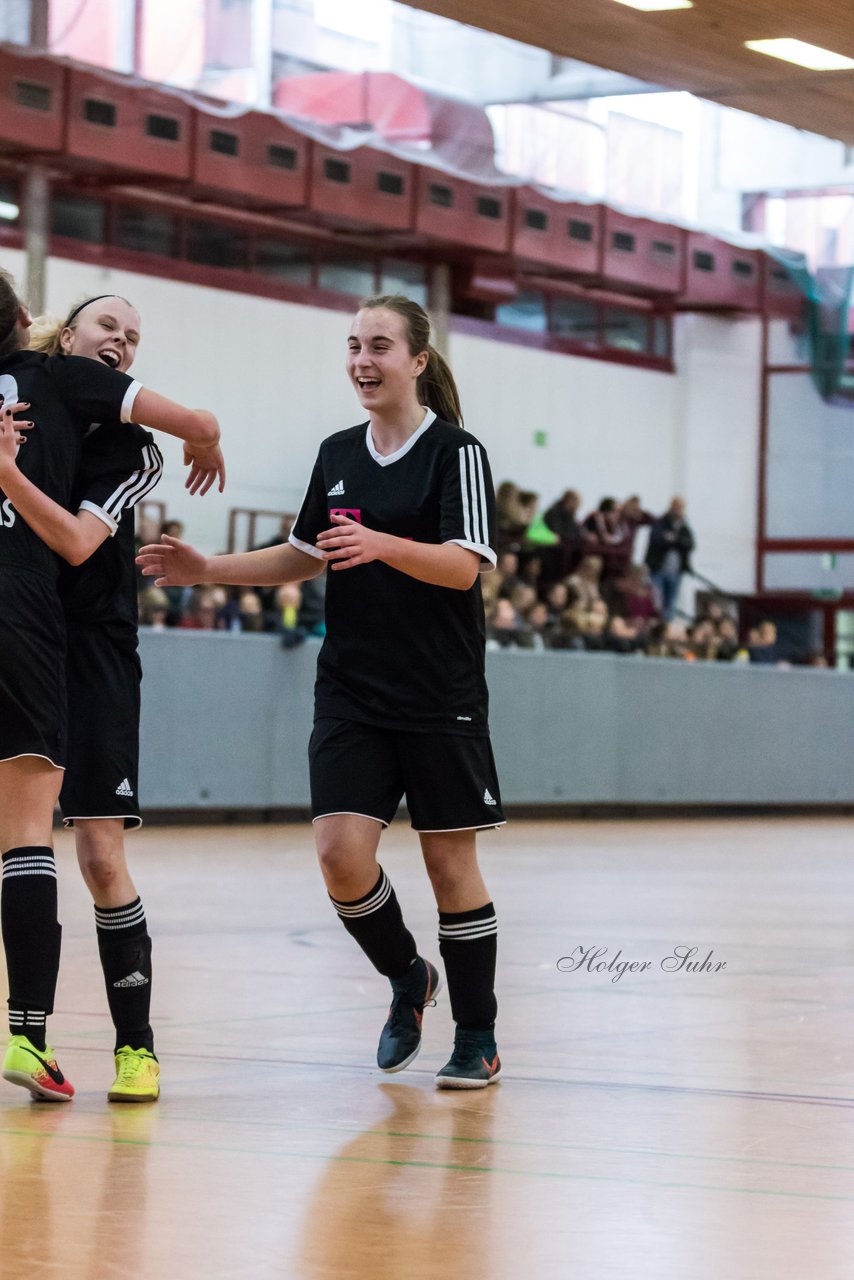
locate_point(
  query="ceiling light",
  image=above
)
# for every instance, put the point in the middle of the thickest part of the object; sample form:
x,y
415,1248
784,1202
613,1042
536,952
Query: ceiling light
x,y
8,211
802,54
653,6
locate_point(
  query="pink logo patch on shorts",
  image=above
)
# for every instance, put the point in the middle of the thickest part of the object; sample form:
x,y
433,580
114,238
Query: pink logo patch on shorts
x,y
352,513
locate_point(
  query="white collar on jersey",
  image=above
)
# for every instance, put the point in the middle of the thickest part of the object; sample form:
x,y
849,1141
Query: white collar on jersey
x,y
385,460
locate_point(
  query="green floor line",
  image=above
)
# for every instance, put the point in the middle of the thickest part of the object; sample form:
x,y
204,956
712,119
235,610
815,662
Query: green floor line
x,y
427,1164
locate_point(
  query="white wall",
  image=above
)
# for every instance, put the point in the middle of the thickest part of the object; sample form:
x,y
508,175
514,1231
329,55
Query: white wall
x,y
273,372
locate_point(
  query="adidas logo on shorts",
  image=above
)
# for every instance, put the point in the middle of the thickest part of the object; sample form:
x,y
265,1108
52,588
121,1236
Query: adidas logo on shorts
x,y
124,788
135,979
336,491
487,798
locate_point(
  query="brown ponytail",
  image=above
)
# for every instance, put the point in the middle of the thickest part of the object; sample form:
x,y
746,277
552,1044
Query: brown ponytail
x,y
435,387
10,305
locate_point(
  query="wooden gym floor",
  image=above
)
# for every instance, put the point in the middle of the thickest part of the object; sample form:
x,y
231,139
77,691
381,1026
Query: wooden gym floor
x,y
698,1125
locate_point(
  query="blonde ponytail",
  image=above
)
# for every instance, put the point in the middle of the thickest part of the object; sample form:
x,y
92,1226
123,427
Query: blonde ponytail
x,y
44,334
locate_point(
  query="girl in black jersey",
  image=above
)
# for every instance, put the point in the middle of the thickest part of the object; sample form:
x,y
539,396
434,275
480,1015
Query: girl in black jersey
x,y
99,796
401,508
67,400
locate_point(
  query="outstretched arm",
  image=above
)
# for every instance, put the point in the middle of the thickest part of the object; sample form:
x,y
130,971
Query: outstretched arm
x,y
176,564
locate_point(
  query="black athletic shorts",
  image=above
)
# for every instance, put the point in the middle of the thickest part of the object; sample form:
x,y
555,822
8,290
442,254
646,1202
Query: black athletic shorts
x,y
32,668
101,780
448,779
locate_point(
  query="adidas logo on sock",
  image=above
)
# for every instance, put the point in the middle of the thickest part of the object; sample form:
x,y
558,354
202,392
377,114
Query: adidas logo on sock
x,y
135,979
336,491
124,788
488,799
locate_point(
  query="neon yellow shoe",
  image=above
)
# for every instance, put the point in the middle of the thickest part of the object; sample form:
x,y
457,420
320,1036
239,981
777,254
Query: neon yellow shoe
x,y
137,1076
36,1070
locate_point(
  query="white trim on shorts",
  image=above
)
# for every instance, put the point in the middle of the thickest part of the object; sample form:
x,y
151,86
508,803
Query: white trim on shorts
x,y
349,813
68,822
34,755
438,831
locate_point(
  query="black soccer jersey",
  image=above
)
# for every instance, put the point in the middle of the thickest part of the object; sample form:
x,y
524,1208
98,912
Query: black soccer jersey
x,y
400,653
68,397
120,465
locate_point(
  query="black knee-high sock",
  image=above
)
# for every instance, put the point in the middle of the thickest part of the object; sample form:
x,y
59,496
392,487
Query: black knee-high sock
x,y
468,942
31,938
375,921
125,950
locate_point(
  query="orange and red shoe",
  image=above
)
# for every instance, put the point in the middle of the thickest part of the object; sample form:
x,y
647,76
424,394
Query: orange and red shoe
x,y
36,1070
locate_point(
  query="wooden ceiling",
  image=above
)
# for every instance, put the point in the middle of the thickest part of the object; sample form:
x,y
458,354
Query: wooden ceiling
x,y
700,50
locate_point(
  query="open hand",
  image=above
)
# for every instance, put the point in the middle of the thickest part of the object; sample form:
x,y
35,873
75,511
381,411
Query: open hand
x,y
172,563
206,465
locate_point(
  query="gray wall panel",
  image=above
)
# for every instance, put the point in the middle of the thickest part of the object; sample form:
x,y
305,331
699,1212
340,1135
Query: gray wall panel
x,y
226,720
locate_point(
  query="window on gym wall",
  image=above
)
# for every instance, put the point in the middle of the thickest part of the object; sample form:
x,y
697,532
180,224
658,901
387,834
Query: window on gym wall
x,y
78,217
348,275
293,263
217,246
10,209
146,230
409,278
526,311
626,330
576,320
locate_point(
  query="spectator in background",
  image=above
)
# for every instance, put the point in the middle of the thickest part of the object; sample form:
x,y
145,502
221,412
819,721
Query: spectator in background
x,y
612,537
538,625
178,597
504,628
634,517
572,537
201,612
583,586
312,612
556,600
507,572
633,596
153,608
728,645
763,648
250,611
669,555
515,509
288,601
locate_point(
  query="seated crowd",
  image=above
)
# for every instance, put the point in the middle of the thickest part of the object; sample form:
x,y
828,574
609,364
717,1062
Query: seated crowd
x,y
560,583
294,611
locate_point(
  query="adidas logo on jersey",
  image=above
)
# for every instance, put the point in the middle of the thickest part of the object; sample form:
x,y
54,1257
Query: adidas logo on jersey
x,y
124,788
487,798
336,491
135,979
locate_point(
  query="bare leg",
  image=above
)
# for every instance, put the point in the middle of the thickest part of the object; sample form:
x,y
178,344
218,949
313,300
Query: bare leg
x,y
451,861
347,851
29,790
101,857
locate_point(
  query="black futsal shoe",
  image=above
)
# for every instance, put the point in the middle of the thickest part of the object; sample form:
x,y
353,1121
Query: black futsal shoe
x,y
400,1039
474,1063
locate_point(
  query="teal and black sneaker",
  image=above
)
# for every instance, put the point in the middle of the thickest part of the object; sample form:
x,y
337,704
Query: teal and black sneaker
x,y
400,1038
474,1063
